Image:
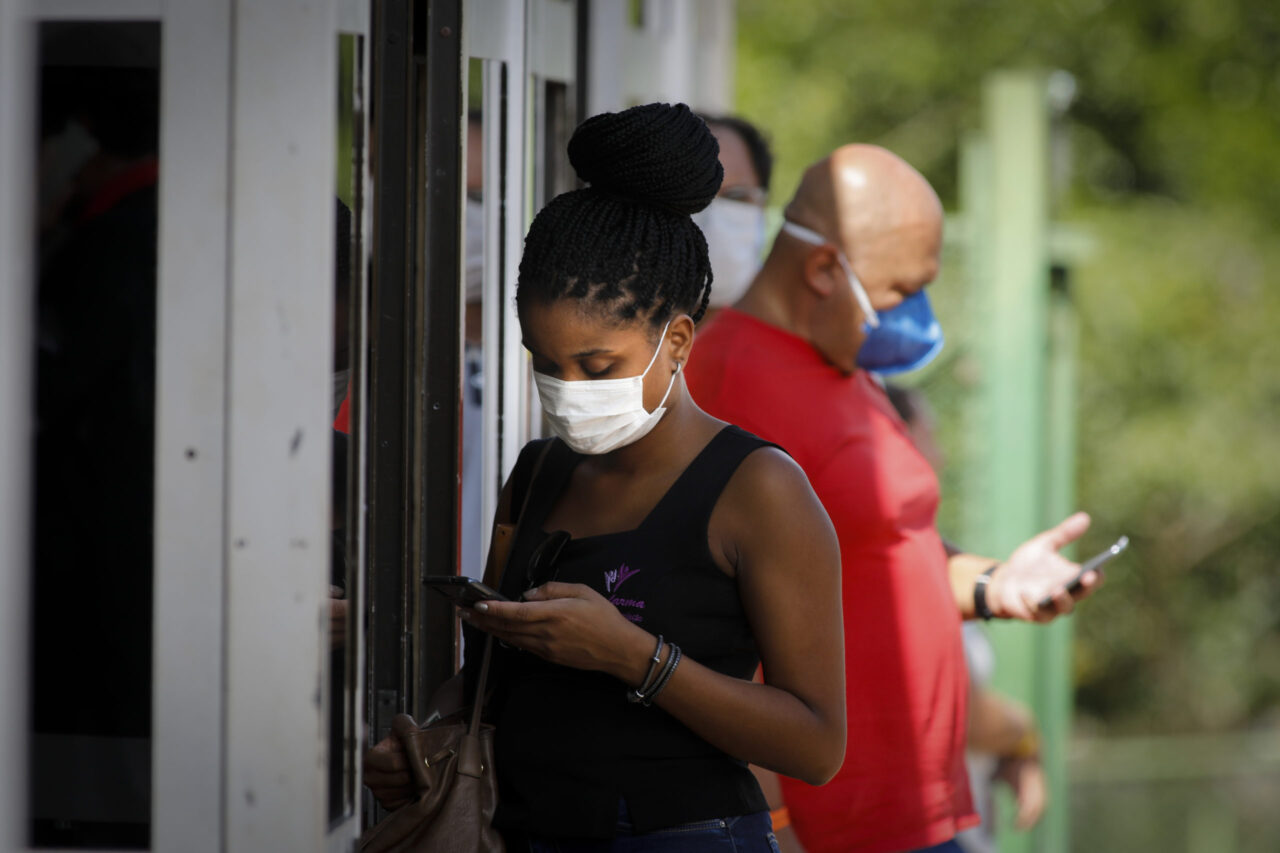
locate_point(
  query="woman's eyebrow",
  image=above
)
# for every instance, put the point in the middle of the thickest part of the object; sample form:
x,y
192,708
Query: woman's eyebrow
x,y
591,352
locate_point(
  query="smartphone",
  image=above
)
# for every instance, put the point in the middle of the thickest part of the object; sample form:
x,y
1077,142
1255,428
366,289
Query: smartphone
x,y
464,592
1089,565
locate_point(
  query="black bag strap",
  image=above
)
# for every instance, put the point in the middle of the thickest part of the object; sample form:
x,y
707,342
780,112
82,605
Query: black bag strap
x,y
477,707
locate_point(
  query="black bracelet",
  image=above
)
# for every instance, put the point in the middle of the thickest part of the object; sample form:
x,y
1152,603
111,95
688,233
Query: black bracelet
x,y
980,606
638,694
673,660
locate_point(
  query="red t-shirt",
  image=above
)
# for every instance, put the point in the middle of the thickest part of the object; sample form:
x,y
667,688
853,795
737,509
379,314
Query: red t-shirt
x,y
903,784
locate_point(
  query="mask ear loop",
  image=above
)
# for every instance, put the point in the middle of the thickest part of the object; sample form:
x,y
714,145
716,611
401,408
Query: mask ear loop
x,y
674,374
808,235
860,293
658,350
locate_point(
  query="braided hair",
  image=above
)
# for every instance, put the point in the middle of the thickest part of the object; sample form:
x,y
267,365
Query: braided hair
x,y
625,244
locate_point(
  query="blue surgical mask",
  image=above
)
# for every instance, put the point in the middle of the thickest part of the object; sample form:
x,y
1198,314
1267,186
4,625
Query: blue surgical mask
x,y
906,337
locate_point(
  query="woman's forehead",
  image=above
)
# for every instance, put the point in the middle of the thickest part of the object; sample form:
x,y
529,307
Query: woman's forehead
x,y
567,327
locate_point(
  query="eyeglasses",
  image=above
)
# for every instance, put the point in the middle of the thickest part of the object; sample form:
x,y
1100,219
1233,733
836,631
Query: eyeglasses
x,y
543,562
744,193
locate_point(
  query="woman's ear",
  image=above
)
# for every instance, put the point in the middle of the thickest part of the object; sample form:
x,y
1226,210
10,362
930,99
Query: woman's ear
x,y
821,267
680,338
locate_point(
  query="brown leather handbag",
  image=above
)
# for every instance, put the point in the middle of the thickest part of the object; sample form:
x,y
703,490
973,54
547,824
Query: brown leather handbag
x,y
452,765
451,759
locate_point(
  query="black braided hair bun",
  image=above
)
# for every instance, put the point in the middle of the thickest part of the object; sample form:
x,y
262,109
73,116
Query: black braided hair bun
x,y
625,245
656,153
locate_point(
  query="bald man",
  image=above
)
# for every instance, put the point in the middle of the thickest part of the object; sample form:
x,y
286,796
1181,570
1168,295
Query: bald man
x,y
841,293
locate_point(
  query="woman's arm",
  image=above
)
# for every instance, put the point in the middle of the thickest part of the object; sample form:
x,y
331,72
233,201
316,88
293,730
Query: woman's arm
x,y
770,527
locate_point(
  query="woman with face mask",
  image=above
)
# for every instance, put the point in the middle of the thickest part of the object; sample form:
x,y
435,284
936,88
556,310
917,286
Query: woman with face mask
x,y
734,222
663,555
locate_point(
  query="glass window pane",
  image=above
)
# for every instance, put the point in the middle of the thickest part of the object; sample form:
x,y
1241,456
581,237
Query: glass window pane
x,y
98,169
348,340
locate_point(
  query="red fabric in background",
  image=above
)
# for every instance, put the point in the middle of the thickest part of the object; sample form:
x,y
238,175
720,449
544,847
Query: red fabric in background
x,y
342,421
903,784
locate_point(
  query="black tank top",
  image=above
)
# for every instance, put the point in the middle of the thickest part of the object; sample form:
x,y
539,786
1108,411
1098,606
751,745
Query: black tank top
x,y
569,744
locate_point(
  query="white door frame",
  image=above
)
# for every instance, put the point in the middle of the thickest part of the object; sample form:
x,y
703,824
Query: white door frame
x,y
244,317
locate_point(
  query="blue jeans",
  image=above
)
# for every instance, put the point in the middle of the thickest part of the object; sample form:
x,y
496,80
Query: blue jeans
x,y
751,833
951,846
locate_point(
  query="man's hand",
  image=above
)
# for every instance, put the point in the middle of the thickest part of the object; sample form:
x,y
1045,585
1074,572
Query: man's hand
x,y
386,773
1036,571
1025,777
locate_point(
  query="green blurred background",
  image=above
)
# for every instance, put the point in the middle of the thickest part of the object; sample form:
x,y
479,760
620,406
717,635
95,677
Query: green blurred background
x,y
1169,161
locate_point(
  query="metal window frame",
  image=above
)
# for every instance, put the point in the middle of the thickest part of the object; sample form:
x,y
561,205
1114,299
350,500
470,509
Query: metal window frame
x,y
501,46
438,325
388,379
17,72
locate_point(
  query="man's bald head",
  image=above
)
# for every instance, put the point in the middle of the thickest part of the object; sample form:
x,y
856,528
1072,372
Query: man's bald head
x,y
859,192
874,210
880,212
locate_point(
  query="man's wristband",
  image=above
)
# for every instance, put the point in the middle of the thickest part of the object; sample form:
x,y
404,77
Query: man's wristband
x,y
980,606
1028,745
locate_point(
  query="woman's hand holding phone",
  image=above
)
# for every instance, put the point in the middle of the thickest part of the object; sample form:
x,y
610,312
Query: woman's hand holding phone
x,y
570,624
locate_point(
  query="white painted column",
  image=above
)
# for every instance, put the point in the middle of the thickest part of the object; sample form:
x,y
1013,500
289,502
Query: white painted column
x,y
188,734
279,324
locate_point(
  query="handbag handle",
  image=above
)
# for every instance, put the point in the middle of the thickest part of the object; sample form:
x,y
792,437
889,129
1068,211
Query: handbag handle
x,y
477,707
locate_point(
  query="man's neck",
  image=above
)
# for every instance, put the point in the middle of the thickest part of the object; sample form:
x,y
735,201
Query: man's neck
x,y
780,300
772,299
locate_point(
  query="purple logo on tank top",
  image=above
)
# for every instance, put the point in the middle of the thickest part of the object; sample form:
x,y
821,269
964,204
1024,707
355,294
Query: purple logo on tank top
x,y
615,579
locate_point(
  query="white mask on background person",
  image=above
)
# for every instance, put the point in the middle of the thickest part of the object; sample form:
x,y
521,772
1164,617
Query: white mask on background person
x,y
474,261
735,241
595,416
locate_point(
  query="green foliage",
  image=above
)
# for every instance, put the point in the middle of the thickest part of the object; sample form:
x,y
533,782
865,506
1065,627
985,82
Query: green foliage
x,y
1181,445
1175,170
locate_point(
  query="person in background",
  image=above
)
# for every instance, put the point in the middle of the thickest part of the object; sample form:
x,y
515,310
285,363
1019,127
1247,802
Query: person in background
x,y
734,221
841,294
1003,742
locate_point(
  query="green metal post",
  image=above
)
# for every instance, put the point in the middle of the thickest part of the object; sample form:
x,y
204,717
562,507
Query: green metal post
x,y
1019,421
1053,697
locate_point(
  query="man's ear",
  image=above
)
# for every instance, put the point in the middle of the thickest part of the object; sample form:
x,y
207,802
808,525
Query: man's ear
x,y
822,270
680,338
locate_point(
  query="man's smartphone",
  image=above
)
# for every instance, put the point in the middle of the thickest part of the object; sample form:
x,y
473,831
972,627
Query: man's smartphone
x,y
1089,565
464,592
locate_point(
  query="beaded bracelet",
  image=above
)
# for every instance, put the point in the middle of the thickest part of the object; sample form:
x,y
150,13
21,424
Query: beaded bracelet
x,y
638,694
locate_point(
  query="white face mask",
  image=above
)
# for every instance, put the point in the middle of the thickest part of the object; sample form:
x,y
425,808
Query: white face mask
x,y
596,416
735,240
